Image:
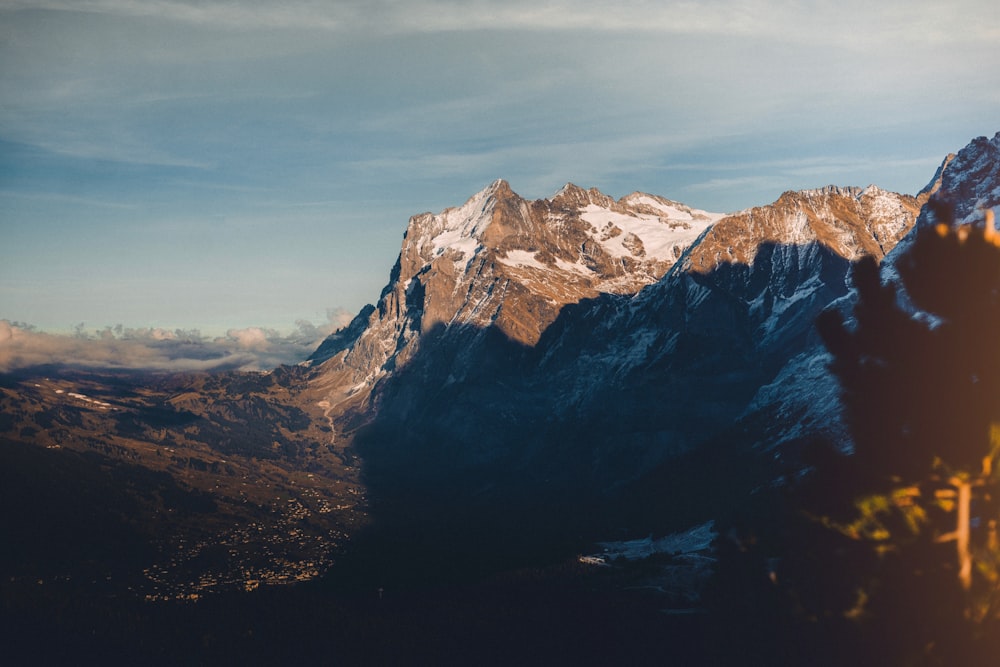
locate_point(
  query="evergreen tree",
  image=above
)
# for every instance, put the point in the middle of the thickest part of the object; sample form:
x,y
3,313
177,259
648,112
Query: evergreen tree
x,y
921,391
889,555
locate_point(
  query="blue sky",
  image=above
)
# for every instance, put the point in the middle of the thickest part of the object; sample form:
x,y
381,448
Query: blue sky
x,y
224,165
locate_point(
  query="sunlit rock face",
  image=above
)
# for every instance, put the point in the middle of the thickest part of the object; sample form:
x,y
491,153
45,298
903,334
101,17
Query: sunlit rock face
x,y
803,398
688,358
500,262
514,334
531,369
851,221
578,344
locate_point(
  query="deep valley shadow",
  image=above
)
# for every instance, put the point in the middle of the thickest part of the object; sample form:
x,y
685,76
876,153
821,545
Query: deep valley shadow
x,y
485,455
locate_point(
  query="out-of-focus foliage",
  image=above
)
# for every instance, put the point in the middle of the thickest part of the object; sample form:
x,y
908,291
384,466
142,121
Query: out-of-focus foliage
x,y
890,555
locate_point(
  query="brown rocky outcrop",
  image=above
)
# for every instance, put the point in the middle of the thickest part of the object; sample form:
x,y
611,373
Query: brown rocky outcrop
x,y
850,221
503,262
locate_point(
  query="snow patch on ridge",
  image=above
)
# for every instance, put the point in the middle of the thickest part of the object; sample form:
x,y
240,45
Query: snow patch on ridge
x,y
695,540
527,259
659,235
458,230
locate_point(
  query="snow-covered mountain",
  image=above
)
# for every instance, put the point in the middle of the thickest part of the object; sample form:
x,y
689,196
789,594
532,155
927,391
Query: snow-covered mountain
x,y
580,340
686,357
802,400
536,377
502,264
580,345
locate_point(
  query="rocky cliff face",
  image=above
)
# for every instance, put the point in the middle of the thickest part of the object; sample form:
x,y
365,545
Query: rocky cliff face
x,y
501,263
529,351
851,222
581,342
970,182
678,364
534,374
803,398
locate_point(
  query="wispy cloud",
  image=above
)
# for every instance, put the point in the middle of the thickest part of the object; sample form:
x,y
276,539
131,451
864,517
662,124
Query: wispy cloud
x,y
68,199
853,20
817,165
738,182
233,15
66,130
122,152
297,136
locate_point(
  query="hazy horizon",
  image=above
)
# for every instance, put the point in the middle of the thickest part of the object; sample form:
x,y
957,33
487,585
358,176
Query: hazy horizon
x,y
239,166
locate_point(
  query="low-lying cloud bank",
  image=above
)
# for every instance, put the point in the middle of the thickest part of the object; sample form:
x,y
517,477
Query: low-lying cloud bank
x,y
120,348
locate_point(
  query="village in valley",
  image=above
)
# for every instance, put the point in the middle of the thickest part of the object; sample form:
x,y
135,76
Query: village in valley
x,y
201,519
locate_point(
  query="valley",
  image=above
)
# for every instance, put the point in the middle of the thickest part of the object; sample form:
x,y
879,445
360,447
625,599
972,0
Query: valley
x,y
542,393
210,517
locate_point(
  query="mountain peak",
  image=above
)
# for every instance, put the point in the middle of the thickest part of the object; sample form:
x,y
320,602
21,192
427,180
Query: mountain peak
x,y
498,261
968,181
935,183
498,188
506,266
825,191
574,197
456,231
570,189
